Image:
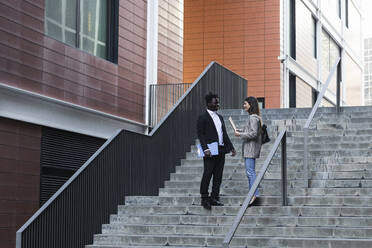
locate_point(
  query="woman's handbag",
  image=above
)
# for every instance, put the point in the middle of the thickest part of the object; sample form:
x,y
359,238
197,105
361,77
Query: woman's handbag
x,y
264,135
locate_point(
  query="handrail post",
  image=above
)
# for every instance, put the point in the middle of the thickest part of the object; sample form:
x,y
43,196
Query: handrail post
x,y
254,187
338,100
306,158
312,113
284,170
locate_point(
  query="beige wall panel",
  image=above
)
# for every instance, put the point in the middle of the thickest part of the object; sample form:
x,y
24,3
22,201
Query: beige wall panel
x,y
303,94
353,82
305,39
330,9
353,32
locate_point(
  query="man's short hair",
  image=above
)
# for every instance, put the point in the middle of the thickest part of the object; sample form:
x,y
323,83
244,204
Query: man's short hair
x,y
209,97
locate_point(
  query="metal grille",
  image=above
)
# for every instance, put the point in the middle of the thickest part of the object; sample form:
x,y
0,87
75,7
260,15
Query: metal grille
x,y
127,164
62,154
163,97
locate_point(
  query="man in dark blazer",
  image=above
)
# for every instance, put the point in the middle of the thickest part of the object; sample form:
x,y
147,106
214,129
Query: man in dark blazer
x,y
211,128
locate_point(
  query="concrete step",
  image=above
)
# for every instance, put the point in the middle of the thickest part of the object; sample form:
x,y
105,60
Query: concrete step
x,y
298,112
344,150
271,191
289,211
312,146
194,200
336,211
275,167
314,183
187,240
321,123
335,158
236,184
333,132
283,227
239,174
262,200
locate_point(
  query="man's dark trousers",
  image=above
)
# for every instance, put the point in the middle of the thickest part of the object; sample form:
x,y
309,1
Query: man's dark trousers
x,y
213,166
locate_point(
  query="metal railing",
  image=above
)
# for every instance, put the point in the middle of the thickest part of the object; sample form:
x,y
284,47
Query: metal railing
x,y
162,99
127,164
337,65
282,138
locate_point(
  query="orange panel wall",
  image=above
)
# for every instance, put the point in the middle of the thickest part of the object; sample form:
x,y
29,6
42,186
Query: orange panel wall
x,y
243,35
170,44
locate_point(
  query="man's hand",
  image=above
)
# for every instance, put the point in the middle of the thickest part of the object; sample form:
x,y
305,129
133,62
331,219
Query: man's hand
x,y
207,153
233,153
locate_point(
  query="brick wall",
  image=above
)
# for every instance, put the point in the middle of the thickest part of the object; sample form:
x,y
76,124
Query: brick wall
x,y
19,176
32,61
244,36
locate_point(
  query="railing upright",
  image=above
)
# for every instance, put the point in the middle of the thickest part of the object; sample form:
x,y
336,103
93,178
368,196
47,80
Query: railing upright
x,y
313,111
162,99
280,139
128,164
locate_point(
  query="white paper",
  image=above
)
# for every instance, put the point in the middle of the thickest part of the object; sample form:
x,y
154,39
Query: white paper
x,y
213,147
232,123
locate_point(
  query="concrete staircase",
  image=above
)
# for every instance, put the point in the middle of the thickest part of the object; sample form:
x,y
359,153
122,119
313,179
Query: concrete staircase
x,y
335,211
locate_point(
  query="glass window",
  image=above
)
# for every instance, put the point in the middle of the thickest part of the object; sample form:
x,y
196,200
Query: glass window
x,y
292,28
347,13
85,24
325,51
339,8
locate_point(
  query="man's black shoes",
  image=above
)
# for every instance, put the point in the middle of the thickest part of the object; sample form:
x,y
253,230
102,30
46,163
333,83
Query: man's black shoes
x,y
205,202
216,202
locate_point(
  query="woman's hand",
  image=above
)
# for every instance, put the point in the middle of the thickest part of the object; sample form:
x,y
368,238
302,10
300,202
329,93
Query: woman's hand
x,y
237,134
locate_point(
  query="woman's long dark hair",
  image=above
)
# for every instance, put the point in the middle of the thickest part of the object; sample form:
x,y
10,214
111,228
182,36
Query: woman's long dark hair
x,y
253,109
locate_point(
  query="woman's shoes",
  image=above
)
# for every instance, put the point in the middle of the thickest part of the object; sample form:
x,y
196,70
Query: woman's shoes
x,y
252,201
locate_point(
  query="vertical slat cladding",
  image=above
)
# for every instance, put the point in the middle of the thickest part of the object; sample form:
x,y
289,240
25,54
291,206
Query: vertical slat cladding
x,y
132,164
62,153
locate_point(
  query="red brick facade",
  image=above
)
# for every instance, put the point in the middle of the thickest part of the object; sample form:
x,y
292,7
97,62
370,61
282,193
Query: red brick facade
x,y
19,176
32,61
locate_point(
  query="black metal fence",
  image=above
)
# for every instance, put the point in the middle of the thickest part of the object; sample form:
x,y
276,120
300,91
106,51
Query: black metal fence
x,y
163,97
127,164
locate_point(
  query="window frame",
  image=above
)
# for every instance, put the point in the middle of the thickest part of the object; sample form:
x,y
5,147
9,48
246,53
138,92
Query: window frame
x,y
315,38
347,13
292,90
112,29
292,28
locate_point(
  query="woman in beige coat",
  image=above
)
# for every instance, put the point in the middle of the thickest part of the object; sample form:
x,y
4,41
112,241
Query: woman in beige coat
x,y
251,136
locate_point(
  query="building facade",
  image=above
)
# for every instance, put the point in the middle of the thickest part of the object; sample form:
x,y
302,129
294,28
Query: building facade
x,y
284,48
72,72
315,34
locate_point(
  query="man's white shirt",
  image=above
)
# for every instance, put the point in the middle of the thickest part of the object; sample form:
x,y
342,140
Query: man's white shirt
x,y
218,125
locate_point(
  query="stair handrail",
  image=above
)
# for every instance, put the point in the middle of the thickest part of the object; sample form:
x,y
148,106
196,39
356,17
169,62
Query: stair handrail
x,y
129,163
313,111
162,99
282,138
